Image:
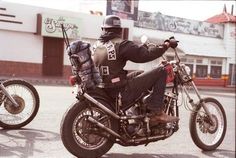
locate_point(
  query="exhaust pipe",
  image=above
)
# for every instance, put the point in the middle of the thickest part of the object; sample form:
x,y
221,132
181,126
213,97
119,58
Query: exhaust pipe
x,y
101,106
92,120
128,142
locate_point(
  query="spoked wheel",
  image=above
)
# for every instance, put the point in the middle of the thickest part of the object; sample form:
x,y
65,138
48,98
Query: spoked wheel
x,y
86,134
81,137
27,98
208,134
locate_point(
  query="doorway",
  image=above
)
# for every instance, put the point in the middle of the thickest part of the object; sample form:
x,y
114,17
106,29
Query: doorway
x,y
53,49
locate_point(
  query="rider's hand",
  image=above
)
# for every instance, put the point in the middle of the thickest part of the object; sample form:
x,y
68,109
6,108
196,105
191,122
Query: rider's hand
x,y
172,42
145,45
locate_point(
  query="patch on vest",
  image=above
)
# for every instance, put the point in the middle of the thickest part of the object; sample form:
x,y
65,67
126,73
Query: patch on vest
x,y
105,70
114,80
111,52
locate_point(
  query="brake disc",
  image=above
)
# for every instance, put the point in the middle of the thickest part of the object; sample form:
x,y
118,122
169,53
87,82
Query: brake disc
x,y
213,128
206,126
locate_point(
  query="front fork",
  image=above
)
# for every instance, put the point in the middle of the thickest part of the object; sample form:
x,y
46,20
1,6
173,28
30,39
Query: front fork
x,y
201,100
4,91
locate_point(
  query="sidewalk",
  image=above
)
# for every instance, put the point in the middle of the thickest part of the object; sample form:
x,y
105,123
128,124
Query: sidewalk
x,y
217,89
55,81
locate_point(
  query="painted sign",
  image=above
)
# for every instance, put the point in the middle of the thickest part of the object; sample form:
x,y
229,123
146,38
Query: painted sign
x,y
50,25
159,21
126,9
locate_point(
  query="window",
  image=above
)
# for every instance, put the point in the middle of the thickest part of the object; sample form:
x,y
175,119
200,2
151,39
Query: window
x,y
190,61
216,68
216,71
216,62
199,61
213,62
219,62
201,71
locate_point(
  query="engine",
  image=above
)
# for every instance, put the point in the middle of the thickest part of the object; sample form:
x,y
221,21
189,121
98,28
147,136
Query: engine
x,y
136,128
133,126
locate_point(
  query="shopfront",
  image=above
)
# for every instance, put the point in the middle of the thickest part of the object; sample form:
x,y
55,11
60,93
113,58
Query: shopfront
x,y
49,27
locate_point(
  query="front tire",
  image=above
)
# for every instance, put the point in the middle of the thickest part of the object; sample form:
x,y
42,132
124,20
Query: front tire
x,y
206,135
82,138
27,98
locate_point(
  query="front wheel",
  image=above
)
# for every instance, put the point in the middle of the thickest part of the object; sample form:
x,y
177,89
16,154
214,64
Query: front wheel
x,y
26,97
207,134
81,137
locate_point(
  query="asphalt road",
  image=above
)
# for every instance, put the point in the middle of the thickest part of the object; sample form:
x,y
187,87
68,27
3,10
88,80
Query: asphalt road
x,y
41,138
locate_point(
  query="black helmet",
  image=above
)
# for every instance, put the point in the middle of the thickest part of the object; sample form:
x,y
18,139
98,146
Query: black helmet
x,y
111,21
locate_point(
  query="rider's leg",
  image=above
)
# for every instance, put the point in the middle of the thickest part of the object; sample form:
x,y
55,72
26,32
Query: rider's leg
x,y
155,78
145,81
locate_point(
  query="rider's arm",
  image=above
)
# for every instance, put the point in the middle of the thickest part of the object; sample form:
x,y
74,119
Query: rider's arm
x,y
141,54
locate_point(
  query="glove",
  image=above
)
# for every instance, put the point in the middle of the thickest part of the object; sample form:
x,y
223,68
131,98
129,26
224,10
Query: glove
x,y
173,43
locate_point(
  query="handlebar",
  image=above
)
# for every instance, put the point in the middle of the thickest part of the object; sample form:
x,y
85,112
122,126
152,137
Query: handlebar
x,y
144,40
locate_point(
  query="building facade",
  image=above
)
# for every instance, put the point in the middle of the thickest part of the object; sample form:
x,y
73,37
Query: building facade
x,y
32,44
209,48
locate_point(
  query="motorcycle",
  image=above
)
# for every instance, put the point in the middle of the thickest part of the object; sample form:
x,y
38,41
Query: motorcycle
x,y
93,123
19,103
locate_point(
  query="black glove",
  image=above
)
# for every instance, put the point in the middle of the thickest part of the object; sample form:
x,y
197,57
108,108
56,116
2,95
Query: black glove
x,y
173,43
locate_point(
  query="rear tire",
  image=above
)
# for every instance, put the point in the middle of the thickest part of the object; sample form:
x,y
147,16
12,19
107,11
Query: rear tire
x,y
73,131
200,125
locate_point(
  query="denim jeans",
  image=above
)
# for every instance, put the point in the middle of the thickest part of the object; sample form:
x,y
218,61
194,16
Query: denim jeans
x,y
156,79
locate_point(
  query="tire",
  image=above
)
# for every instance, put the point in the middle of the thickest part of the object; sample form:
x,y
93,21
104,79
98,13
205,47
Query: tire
x,y
199,124
74,118
26,96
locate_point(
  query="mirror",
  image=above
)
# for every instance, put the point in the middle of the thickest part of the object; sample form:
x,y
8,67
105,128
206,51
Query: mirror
x,y
144,39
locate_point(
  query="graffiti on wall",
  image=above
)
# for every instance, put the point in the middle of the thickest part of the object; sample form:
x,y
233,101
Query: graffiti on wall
x,y
159,21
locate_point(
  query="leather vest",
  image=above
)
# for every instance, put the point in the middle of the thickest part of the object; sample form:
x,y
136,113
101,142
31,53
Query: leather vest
x,y
110,63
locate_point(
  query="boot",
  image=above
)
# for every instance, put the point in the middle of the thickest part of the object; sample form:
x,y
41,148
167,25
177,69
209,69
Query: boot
x,y
162,117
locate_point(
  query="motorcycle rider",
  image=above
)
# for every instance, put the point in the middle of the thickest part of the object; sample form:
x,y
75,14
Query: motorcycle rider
x,y
111,53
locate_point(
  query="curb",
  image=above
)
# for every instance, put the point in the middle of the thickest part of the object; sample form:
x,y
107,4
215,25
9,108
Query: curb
x,y
217,89
41,81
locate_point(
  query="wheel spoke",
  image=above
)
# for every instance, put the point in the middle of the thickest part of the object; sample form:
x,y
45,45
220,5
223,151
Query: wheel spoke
x,y
86,134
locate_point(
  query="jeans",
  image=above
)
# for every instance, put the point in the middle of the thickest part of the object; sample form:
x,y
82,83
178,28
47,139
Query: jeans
x,y
155,78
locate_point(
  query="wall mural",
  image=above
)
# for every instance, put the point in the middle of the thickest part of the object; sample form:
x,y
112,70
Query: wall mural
x,y
158,21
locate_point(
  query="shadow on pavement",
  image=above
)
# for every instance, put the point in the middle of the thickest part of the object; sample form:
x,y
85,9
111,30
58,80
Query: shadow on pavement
x,y
21,142
118,155
220,153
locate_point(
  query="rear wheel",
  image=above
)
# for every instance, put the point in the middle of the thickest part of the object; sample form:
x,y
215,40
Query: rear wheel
x,y
208,135
81,137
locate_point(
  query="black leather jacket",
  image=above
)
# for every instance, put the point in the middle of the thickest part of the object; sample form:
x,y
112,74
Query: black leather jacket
x,y
111,61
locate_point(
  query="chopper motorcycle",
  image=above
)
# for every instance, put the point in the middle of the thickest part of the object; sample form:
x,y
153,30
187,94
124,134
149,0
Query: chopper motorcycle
x,y
94,123
19,103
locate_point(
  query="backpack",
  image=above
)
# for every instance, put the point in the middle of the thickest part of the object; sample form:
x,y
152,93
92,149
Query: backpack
x,y
82,64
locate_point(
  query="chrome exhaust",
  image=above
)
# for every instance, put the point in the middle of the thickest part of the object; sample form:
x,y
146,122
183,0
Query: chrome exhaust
x,y
125,142
92,120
